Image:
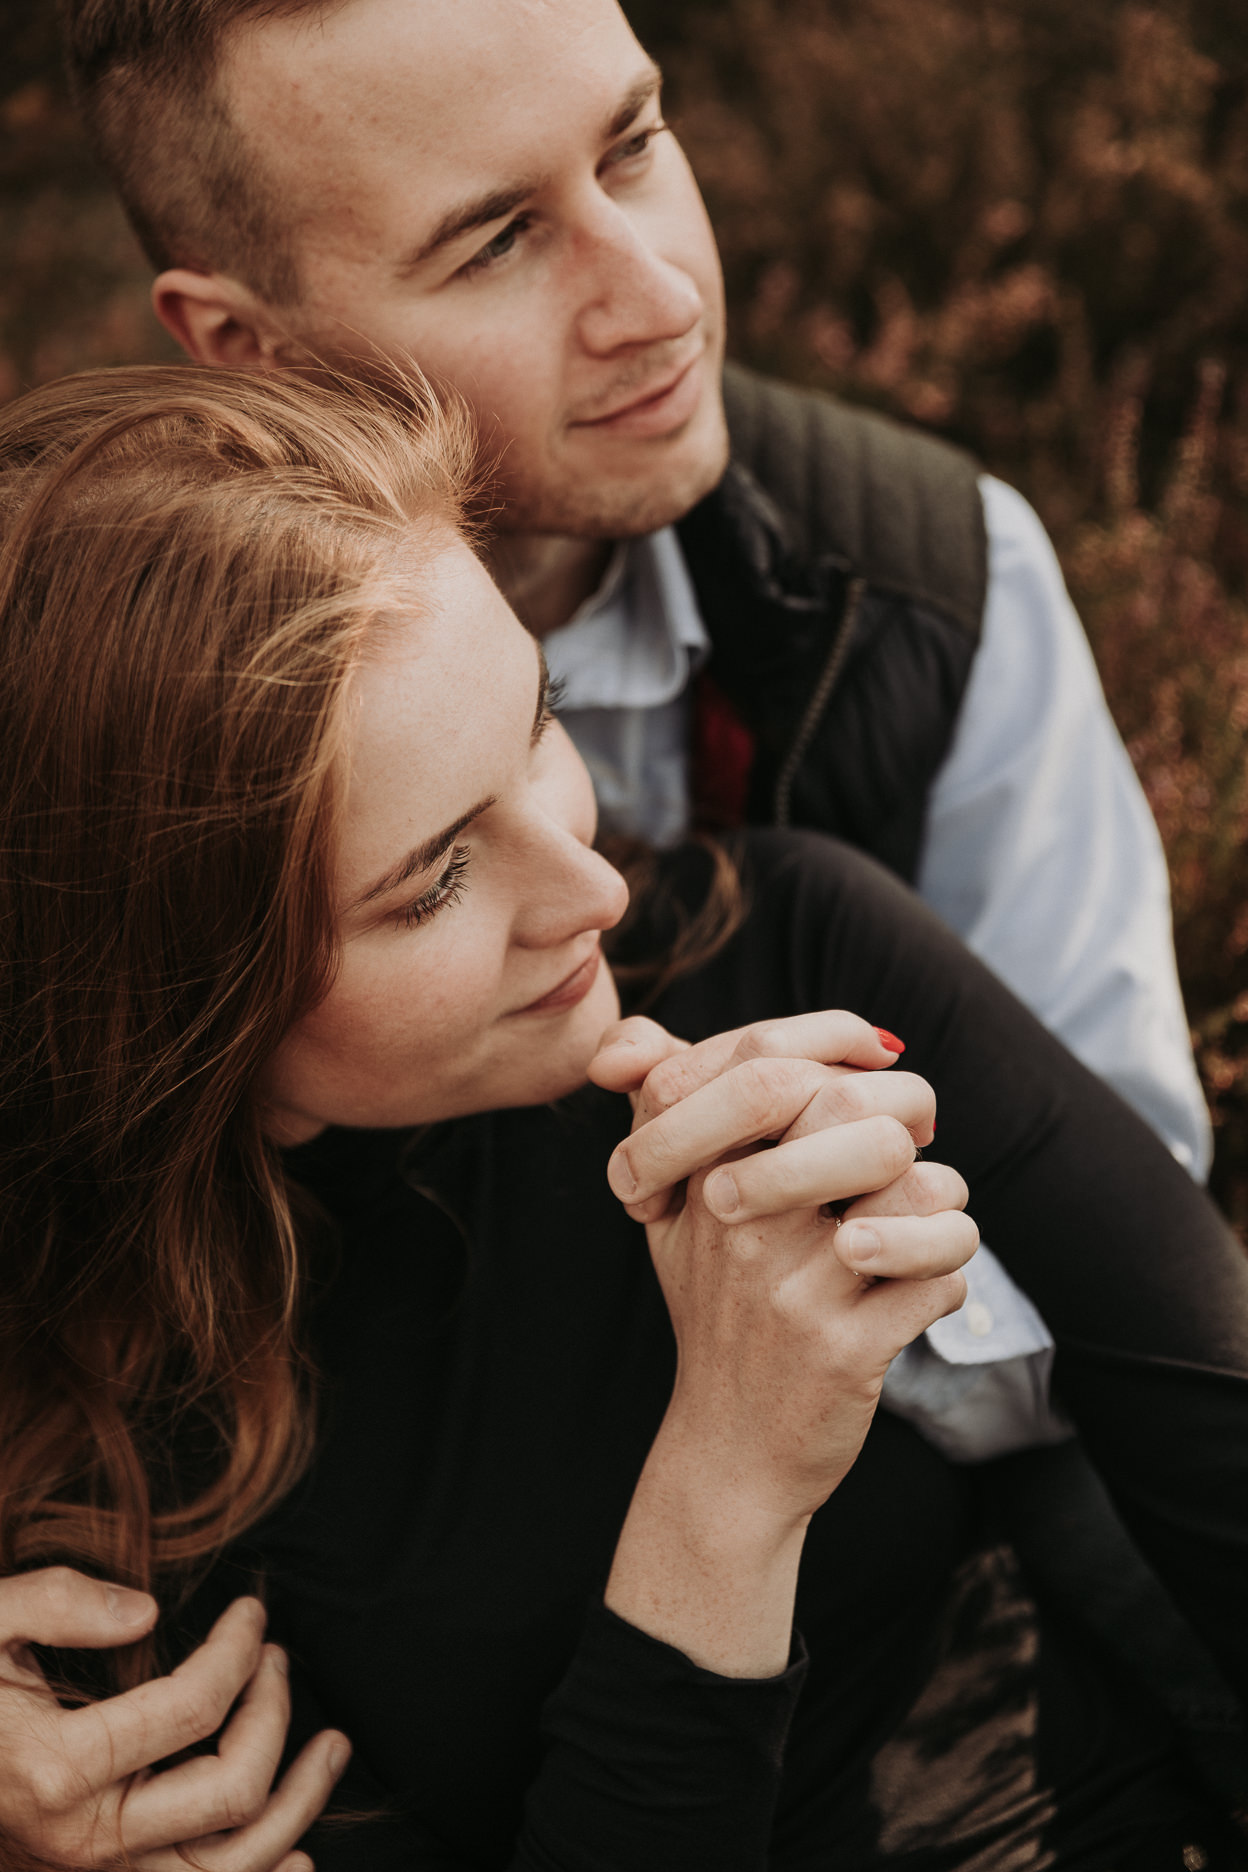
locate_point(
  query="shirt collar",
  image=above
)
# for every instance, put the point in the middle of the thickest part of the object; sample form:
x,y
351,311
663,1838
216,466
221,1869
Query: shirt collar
x,y
634,640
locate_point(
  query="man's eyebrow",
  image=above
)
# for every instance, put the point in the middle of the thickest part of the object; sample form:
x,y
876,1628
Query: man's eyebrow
x,y
497,204
634,100
477,212
426,854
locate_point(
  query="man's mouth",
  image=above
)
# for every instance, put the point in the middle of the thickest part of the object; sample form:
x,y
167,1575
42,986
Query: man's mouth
x,y
666,403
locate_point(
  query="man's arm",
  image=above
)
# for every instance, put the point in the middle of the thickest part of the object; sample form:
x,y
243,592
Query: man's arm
x,y
1040,848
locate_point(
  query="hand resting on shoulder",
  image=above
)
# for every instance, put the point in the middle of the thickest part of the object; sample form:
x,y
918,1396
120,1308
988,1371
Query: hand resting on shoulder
x,y
77,1787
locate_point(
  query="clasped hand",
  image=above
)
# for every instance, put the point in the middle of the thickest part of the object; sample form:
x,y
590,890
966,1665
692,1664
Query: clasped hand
x,y
799,1243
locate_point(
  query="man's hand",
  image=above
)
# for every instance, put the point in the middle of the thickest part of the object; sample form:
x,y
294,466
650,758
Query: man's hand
x,y
77,1785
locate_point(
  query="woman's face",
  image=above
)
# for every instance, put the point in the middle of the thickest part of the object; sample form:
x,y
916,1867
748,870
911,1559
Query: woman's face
x,y
470,904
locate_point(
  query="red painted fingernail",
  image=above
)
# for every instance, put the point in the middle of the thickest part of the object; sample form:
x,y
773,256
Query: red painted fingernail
x,y
890,1041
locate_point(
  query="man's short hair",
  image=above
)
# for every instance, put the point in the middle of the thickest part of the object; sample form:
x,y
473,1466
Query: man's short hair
x,y
146,74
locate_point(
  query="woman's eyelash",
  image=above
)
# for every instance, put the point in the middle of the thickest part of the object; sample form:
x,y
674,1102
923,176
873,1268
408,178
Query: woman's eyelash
x,y
449,888
556,690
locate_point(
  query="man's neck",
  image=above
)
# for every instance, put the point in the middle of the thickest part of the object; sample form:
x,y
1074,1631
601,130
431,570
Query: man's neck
x,y
544,577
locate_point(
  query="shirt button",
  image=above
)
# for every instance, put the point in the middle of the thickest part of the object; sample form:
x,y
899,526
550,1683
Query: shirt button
x,y
978,1319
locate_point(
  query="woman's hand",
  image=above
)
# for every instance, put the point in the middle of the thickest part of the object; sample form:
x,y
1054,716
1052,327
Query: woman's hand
x,y
76,1785
841,1136
786,1314
659,1071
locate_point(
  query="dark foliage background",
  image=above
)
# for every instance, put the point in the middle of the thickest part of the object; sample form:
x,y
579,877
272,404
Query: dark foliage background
x,y
1023,223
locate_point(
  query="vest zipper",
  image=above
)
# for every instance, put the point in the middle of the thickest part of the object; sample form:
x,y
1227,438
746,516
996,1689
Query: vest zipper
x,y
821,695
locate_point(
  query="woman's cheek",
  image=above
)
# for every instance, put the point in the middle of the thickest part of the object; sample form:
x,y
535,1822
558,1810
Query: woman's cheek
x,y
441,982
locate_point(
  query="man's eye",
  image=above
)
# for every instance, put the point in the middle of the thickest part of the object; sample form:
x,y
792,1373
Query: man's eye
x,y
638,144
498,248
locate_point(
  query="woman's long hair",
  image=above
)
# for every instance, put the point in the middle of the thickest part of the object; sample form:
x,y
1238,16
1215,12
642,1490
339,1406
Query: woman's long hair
x,y
189,564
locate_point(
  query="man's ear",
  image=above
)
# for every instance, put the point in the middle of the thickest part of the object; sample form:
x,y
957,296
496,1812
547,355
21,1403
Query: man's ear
x,y
217,321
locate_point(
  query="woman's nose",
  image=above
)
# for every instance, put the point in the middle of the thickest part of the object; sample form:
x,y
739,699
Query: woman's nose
x,y
570,889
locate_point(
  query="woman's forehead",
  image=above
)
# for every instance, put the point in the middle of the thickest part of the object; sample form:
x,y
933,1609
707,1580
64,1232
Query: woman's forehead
x,y
441,712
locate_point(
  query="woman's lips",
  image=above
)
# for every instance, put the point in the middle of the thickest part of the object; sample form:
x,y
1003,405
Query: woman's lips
x,y
570,990
657,412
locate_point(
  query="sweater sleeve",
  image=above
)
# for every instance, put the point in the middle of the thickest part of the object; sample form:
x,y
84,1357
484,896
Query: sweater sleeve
x,y
653,1762
648,1764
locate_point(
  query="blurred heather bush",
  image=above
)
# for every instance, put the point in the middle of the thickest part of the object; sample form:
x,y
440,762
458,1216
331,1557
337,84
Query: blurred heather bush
x,y
1021,222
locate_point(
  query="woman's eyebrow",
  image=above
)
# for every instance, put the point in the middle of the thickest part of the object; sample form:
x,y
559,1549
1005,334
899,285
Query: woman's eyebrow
x,y
427,853
422,856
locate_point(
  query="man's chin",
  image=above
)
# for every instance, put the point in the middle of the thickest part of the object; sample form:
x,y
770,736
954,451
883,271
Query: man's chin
x,y
597,499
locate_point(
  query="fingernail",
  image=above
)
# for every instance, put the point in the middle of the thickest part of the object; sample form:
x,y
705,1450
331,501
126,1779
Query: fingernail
x,y
339,1756
721,1192
127,1607
650,1210
279,1660
859,1243
890,1041
623,1182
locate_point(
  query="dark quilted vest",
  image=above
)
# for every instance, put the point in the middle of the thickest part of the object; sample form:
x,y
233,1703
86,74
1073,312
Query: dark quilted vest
x,y
840,566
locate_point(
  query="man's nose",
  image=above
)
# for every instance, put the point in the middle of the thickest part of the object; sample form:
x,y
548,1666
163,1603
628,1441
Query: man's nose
x,y
633,295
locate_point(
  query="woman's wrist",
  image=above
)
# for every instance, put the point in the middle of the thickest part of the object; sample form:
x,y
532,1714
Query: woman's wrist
x,y
705,1564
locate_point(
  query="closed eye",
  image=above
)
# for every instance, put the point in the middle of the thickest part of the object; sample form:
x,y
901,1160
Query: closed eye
x,y
556,689
447,889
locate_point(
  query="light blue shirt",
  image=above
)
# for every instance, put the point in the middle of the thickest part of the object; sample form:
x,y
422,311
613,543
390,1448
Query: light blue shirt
x,y
1039,850
624,661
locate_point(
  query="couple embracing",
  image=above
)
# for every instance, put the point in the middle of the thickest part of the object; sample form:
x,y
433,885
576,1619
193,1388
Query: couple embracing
x,y
362,1254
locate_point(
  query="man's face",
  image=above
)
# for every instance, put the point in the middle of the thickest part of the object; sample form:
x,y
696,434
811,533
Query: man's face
x,y
486,187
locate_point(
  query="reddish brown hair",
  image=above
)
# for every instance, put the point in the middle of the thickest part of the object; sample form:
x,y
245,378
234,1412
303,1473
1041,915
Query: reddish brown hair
x,y
146,76
189,563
